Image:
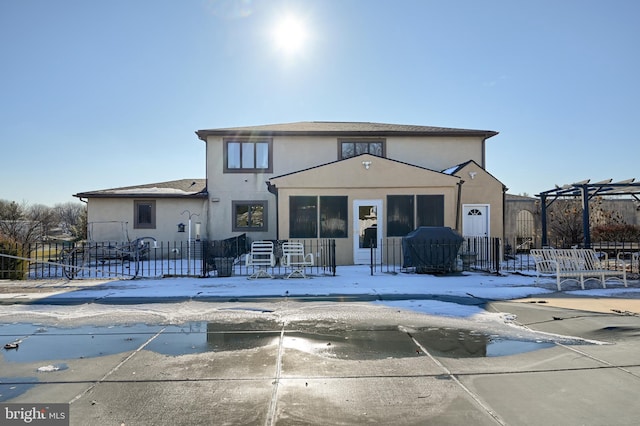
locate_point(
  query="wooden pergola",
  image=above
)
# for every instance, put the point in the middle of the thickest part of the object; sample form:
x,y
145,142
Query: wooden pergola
x,y
587,191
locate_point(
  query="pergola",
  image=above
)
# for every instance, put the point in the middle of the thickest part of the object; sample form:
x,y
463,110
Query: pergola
x,y
587,191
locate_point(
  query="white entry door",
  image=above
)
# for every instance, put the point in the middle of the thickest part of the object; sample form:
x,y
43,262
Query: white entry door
x,y
476,220
367,230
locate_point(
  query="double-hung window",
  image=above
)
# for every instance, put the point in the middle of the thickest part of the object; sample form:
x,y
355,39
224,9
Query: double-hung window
x,y
248,155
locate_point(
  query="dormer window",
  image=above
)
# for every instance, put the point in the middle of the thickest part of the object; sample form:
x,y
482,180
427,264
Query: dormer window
x,y
248,156
352,147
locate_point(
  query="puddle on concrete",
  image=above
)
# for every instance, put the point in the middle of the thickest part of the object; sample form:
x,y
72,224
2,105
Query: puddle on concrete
x,y
354,344
463,343
53,343
37,343
199,337
446,342
11,387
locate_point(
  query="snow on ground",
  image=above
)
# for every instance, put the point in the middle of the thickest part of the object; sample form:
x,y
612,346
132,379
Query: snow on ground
x,y
451,296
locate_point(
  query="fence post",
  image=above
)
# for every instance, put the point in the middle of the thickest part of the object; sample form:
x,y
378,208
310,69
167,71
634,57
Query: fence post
x,y
371,256
496,248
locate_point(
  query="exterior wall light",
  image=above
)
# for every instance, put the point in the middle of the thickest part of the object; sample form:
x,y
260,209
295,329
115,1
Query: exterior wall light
x,y
181,227
366,164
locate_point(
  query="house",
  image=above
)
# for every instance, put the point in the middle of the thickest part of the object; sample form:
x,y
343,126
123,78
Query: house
x,y
150,210
349,181
355,182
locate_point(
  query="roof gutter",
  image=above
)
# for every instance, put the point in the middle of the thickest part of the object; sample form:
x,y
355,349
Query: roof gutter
x,y
203,134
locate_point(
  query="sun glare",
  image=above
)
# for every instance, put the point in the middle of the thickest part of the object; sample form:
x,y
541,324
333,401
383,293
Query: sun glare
x,y
290,35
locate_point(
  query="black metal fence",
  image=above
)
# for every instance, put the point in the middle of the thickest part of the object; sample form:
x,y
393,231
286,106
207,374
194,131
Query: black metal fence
x,y
226,257
147,259
444,256
489,254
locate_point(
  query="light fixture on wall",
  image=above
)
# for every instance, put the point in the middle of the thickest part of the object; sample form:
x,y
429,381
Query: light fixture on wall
x,y
473,175
181,227
366,164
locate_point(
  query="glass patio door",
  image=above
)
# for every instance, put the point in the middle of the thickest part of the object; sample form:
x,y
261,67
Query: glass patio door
x,y
367,230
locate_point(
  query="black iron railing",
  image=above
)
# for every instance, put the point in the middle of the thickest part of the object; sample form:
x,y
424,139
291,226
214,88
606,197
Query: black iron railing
x,y
437,256
147,259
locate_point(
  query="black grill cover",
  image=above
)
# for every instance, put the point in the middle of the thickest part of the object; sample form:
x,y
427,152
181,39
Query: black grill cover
x,y
431,249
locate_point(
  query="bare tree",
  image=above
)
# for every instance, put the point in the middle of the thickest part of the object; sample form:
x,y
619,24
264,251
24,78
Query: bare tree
x,y
565,222
42,215
72,218
17,224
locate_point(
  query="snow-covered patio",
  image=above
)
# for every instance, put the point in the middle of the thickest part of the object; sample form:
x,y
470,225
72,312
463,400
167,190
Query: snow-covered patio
x,y
449,295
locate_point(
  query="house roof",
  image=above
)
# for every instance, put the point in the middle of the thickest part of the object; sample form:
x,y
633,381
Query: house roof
x,y
339,128
455,169
172,189
458,167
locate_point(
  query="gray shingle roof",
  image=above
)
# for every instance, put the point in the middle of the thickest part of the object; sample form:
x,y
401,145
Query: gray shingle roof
x,y
170,189
340,128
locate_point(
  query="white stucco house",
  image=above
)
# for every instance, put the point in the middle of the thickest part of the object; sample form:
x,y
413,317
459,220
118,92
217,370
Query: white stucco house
x,y
317,180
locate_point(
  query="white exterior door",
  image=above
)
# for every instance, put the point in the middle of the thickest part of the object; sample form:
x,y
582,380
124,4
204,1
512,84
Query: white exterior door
x,y
476,220
475,229
367,230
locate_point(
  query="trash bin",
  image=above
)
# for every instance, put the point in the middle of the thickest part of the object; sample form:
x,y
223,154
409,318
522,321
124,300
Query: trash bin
x,y
224,266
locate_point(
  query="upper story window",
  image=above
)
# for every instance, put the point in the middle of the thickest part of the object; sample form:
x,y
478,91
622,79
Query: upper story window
x,y
248,155
352,147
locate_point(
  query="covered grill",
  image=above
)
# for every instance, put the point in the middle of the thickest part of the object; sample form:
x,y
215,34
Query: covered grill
x,y
431,249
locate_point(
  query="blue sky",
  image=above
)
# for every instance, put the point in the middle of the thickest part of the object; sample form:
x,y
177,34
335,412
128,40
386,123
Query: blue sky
x,y
101,94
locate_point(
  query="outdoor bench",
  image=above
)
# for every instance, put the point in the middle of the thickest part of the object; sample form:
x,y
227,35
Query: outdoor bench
x,y
578,265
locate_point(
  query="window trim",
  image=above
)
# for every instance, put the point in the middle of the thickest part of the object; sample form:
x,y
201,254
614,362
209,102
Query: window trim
x,y
341,141
136,222
254,141
265,215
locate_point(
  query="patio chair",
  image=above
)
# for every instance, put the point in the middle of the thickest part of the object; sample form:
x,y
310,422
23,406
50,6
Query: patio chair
x,y
261,257
294,258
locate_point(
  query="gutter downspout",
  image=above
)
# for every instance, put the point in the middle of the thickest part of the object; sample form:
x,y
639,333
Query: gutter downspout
x,y
459,207
208,223
272,189
504,210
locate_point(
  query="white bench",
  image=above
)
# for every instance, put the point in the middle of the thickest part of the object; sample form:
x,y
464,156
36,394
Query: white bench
x,y
294,257
261,257
577,265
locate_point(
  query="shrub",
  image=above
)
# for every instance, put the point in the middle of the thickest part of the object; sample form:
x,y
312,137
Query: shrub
x,y
10,268
616,232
